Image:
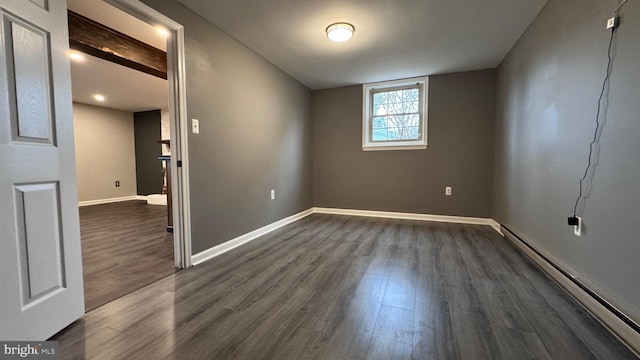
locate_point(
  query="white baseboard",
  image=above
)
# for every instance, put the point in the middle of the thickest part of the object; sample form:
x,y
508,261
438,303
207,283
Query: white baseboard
x,y
496,226
112,200
622,330
410,216
243,239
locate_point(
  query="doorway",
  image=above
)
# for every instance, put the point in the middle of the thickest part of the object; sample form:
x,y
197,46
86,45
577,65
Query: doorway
x,y
126,242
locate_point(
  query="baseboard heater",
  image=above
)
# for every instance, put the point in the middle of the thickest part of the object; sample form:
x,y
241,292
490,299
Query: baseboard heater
x,y
598,298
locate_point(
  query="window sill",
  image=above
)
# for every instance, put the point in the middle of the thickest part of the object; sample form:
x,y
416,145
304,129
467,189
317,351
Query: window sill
x,y
393,147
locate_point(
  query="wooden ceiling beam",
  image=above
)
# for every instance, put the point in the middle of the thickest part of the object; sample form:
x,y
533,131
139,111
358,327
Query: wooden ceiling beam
x,y
95,39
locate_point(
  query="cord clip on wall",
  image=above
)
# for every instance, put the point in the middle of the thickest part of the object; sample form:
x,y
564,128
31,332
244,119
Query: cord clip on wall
x,y
613,23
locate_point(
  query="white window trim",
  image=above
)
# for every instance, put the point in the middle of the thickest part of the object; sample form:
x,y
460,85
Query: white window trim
x,y
394,145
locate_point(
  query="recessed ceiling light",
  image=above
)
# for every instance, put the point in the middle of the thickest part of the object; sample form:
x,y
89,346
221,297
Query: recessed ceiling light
x,y
76,56
340,32
99,97
162,31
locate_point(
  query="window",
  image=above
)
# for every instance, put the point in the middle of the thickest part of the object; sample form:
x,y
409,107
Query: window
x,y
395,115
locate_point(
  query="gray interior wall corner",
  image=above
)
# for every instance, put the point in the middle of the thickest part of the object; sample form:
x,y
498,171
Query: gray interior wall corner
x,y
255,134
148,168
548,87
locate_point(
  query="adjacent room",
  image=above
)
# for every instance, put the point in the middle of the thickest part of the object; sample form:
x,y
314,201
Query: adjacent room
x,y
122,144
366,179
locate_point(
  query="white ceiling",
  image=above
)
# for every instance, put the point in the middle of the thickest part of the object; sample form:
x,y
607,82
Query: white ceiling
x,y
124,88
394,39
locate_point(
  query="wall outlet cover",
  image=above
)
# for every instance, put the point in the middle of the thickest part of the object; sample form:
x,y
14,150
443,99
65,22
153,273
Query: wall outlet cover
x,y
195,126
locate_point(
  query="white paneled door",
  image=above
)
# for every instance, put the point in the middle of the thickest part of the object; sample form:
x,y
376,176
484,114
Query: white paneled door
x,y
40,260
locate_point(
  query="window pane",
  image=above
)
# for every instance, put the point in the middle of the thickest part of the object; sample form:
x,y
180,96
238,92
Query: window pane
x,y
396,128
405,101
379,122
397,96
413,120
391,121
393,133
411,94
411,107
412,133
380,110
379,98
379,134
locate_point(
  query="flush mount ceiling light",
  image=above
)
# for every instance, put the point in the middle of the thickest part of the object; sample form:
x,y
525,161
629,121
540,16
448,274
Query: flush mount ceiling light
x,y
340,32
99,97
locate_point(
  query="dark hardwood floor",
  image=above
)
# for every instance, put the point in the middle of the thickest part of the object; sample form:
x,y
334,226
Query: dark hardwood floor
x,y
125,246
338,287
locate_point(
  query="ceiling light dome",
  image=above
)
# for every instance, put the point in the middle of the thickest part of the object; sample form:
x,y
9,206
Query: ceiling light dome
x,y
340,32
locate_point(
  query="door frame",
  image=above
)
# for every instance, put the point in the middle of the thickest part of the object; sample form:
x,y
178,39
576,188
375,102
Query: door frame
x,y
176,75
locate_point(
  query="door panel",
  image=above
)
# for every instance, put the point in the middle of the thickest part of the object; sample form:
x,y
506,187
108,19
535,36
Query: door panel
x,y
40,258
39,243
42,3
29,75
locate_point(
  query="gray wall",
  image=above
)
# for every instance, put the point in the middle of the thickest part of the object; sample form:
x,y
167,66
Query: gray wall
x,y
255,134
104,152
148,167
547,92
460,152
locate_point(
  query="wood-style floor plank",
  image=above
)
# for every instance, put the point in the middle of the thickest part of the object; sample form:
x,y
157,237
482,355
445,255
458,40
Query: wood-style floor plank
x,y
393,334
338,287
125,246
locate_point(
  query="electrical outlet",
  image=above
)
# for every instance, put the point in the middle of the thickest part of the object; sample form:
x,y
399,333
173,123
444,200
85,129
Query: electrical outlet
x,y
577,229
117,183
273,194
195,126
447,191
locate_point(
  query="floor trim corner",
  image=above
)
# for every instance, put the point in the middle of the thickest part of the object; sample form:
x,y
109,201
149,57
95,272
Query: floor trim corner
x,y
243,239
